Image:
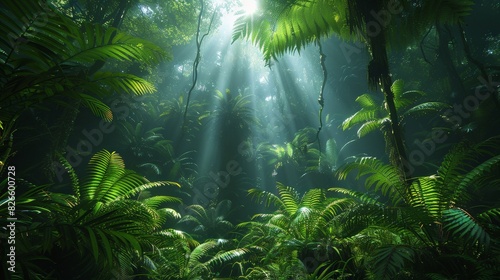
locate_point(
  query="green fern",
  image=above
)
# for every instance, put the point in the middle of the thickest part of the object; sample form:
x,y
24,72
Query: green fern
x,y
108,180
287,26
463,225
380,176
373,116
45,61
390,260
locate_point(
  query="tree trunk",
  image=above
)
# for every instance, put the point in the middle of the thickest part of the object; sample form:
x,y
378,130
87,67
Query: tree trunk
x,y
379,75
444,57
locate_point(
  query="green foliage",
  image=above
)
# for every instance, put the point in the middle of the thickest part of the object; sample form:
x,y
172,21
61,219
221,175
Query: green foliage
x,y
391,260
98,226
463,225
183,261
380,176
108,180
374,117
300,226
287,26
232,112
145,143
444,213
211,222
45,55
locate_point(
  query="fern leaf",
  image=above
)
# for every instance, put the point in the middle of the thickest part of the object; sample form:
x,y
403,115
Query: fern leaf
x,y
463,225
390,260
313,198
124,82
425,195
96,106
371,126
155,201
289,198
397,88
380,176
476,174
425,108
266,197
104,168
363,115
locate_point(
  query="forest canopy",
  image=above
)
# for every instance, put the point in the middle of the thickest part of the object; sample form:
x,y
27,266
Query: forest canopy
x,y
250,139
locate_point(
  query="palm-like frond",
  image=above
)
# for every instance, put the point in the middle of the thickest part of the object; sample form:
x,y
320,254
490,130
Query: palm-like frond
x,y
362,197
425,108
96,106
156,201
105,169
374,117
211,221
108,180
122,82
370,126
457,163
289,197
287,26
369,111
44,55
425,195
100,43
266,197
313,198
472,178
463,225
390,260
380,176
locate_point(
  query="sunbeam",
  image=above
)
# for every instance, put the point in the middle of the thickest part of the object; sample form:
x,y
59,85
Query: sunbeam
x,y
250,139
249,6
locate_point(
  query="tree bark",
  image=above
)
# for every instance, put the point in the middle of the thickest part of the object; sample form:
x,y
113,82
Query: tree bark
x,y
379,75
444,57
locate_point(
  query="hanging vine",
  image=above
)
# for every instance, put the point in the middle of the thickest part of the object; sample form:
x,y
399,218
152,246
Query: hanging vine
x,y
321,99
197,59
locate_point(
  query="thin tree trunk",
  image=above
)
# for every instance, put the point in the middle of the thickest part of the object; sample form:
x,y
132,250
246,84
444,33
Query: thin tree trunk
x,y
444,57
379,75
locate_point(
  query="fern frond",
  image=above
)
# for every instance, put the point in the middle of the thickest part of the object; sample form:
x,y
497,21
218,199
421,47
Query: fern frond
x,y
122,82
456,163
201,251
363,115
370,126
155,201
365,198
389,260
470,179
96,106
228,256
424,194
397,87
144,185
288,27
313,198
99,43
489,215
104,168
380,176
463,225
425,108
289,197
266,197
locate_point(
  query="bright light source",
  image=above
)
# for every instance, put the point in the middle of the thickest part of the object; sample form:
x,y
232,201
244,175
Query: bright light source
x,y
249,6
